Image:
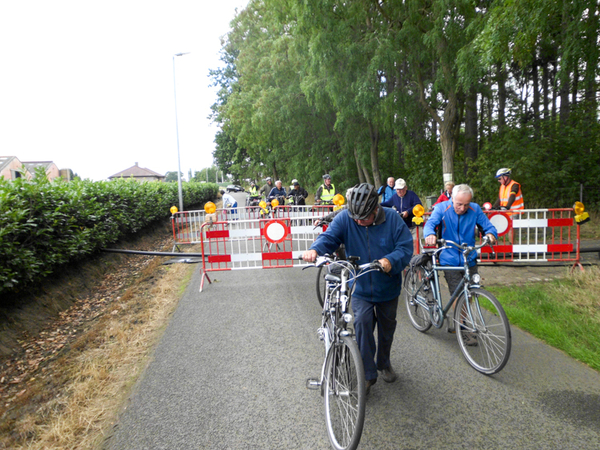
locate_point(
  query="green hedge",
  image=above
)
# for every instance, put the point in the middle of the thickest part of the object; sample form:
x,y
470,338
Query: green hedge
x,y
44,225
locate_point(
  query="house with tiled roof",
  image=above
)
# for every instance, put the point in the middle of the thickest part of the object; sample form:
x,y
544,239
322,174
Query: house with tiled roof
x,y
138,174
12,168
51,169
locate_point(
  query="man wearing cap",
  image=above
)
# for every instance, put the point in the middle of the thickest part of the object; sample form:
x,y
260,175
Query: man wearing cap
x,y
403,202
387,191
298,194
326,191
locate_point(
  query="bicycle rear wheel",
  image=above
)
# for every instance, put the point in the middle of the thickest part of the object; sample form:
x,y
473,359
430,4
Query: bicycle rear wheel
x,y
484,336
344,394
419,316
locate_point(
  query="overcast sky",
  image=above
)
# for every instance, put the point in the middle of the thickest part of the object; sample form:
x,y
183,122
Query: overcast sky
x,y
89,84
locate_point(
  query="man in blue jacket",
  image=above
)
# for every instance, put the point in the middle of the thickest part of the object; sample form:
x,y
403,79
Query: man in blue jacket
x,y
458,219
387,191
371,233
404,202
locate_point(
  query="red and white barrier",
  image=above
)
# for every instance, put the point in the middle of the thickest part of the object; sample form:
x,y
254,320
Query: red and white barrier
x,y
532,235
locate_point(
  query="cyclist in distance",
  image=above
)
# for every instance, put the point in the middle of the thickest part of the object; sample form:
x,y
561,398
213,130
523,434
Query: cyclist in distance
x,y
459,218
266,188
387,191
371,232
326,191
278,192
298,194
253,189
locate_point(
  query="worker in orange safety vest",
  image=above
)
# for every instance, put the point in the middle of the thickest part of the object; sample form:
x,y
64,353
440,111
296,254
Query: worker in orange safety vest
x,y
510,196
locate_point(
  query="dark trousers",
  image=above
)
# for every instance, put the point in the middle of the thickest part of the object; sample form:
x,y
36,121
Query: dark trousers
x,y
453,277
364,325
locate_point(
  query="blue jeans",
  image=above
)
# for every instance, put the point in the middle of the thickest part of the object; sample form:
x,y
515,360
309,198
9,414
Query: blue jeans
x,y
366,315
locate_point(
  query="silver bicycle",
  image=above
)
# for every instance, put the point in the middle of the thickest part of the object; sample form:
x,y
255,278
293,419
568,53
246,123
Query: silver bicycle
x,y
342,382
482,328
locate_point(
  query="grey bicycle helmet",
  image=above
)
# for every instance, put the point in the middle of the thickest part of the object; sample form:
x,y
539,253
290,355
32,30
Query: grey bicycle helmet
x,y
326,176
362,201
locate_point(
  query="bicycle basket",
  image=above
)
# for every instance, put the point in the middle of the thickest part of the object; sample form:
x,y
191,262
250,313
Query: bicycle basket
x,y
422,259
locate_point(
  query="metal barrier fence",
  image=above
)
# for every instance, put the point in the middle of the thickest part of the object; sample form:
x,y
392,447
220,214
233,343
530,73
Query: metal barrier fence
x,y
255,244
532,235
187,225
255,238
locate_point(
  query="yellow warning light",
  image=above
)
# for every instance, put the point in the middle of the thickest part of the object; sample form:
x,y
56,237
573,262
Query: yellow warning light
x,y
210,208
274,203
173,209
262,204
581,216
418,210
338,199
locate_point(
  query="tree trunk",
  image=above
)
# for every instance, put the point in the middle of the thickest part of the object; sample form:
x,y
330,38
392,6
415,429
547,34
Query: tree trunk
x,y
448,137
501,79
536,98
471,128
361,175
374,132
545,88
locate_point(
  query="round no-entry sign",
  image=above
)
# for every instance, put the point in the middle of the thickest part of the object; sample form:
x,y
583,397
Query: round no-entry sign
x,y
502,222
275,231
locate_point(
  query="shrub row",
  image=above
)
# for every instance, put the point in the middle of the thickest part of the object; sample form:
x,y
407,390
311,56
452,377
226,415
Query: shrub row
x,y
44,225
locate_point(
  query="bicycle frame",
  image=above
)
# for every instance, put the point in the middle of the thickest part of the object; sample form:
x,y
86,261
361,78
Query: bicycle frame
x,y
434,273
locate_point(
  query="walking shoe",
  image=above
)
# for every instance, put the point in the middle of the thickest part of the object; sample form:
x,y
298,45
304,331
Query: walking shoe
x,y
388,375
370,383
470,339
451,328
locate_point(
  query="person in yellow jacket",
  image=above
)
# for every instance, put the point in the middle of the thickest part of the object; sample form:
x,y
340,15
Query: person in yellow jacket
x,y
326,191
510,196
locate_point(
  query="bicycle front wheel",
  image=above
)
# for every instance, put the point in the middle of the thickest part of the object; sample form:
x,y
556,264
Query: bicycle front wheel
x,y
484,335
419,316
321,284
345,394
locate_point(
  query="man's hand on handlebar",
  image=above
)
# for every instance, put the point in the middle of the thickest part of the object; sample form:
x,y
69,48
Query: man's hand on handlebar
x,y
309,255
431,239
491,238
386,265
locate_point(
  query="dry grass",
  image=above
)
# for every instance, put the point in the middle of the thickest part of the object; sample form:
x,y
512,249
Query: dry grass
x,y
78,398
581,289
591,229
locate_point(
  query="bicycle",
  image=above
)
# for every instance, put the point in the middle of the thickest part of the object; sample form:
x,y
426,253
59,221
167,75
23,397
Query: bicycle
x,y
325,269
342,382
482,328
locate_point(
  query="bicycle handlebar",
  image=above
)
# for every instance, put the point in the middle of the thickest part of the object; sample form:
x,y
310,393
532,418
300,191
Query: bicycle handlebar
x,y
464,248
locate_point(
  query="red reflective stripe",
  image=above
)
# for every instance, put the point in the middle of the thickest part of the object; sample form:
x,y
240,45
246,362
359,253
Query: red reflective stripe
x,y
217,234
276,255
497,249
568,222
560,248
219,258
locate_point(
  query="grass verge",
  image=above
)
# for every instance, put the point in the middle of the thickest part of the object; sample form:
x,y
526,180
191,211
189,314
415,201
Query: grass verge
x,y
75,400
564,313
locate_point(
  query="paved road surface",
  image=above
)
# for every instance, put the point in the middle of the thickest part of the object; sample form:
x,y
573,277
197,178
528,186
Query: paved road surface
x,y
230,370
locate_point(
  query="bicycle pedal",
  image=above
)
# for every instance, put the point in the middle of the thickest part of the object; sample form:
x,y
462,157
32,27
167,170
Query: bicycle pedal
x,y
313,384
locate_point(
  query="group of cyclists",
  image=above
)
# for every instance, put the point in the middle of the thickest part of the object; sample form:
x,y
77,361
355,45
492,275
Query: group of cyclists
x,y
296,195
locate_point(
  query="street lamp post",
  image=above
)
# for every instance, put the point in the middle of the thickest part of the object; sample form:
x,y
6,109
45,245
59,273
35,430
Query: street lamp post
x,y
177,132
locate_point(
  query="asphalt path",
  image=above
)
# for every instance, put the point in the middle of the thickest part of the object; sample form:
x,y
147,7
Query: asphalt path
x,y
230,372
